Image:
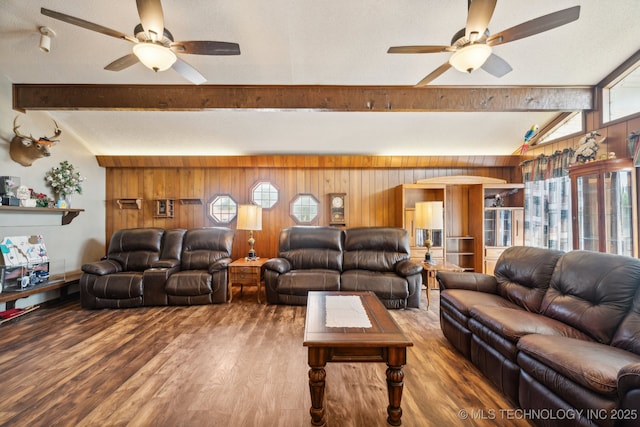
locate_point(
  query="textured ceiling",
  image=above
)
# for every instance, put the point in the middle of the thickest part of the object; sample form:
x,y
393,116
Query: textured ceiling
x,y
333,42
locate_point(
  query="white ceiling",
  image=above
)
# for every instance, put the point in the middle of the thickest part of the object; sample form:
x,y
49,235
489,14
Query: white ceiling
x,y
331,42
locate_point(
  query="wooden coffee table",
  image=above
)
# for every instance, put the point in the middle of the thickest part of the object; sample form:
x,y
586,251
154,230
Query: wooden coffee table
x,y
382,341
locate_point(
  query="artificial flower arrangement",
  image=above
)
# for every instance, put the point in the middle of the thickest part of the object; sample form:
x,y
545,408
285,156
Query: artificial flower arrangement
x,y
64,180
42,200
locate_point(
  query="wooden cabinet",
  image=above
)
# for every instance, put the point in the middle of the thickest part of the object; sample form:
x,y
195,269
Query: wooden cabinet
x,y
503,227
604,207
409,195
483,216
498,222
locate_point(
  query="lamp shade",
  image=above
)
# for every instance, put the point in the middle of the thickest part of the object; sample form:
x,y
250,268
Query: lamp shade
x,y
249,217
429,215
154,56
470,57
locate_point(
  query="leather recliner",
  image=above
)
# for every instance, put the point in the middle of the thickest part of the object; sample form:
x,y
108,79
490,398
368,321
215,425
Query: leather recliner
x,y
141,263
202,279
312,258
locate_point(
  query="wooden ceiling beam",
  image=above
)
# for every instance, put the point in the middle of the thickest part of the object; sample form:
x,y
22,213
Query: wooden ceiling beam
x,y
309,161
301,97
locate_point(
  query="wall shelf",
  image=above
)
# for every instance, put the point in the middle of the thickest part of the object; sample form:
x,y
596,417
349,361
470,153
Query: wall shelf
x,y
164,208
134,203
68,214
190,201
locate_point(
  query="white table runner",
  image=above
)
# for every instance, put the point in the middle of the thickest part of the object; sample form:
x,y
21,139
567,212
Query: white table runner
x,y
345,311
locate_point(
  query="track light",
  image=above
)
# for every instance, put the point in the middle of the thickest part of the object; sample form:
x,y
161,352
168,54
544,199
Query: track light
x,y
45,38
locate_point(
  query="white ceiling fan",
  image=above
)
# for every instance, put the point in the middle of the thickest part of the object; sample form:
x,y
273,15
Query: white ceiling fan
x,y
472,46
153,43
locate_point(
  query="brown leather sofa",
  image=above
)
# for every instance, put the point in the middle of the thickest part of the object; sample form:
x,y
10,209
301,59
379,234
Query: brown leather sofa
x,y
557,333
312,258
152,266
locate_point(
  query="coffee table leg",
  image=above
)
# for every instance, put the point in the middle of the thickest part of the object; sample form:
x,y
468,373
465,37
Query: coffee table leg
x,y
316,387
317,361
395,383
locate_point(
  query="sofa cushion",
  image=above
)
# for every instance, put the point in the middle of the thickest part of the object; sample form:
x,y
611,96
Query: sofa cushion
x,y
384,285
593,365
375,248
627,335
118,285
203,246
523,275
592,291
137,248
311,247
300,282
502,327
463,299
516,323
189,283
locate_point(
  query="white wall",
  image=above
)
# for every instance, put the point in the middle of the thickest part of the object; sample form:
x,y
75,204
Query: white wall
x,y
76,243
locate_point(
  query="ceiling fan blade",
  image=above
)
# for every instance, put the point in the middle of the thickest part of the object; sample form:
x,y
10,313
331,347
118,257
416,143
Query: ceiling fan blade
x,y
434,74
496,66
188,72
535,26
479,15
151,17
86,24
419,49
206,48
122,63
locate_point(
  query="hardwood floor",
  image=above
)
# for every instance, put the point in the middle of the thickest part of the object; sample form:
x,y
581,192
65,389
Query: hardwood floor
x,y
238,364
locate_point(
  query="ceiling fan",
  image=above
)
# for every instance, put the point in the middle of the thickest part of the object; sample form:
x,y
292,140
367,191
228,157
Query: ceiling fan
x,y
153,43
472,46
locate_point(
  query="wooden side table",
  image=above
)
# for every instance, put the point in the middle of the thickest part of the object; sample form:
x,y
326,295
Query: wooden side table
x,y
245,272
429,271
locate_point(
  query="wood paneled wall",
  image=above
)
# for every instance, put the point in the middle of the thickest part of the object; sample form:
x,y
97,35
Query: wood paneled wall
x,y
370,201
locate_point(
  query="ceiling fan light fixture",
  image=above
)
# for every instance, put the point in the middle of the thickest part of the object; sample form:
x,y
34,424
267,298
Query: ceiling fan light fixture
x,y
470,57
154,56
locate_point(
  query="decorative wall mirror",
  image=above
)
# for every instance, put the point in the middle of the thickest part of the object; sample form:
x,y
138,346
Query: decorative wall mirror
x,y
222,209
304,208
264,194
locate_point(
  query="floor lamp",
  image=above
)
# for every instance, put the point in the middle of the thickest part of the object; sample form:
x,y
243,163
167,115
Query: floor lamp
x,y
429,216
250,218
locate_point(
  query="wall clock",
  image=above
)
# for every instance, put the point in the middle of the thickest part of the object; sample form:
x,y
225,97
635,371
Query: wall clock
x,y
337,214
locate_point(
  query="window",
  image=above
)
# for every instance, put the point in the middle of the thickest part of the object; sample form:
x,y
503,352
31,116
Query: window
x,y
264,194
304,208
223,209
572,124
621,97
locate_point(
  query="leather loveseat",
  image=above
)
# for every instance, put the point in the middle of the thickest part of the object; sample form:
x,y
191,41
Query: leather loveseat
x,y
317,258
152,266
557,333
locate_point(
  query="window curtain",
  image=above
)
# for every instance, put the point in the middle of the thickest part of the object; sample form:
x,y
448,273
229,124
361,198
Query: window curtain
x,y
547,204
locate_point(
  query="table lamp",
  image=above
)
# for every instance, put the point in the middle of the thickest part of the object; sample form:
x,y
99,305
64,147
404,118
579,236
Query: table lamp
x,y
429,216
250,218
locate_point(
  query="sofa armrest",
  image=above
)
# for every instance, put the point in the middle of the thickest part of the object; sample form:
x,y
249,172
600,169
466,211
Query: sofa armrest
x,y
102,268
279,265
406,268
220,265
166,263
471,281
629,380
